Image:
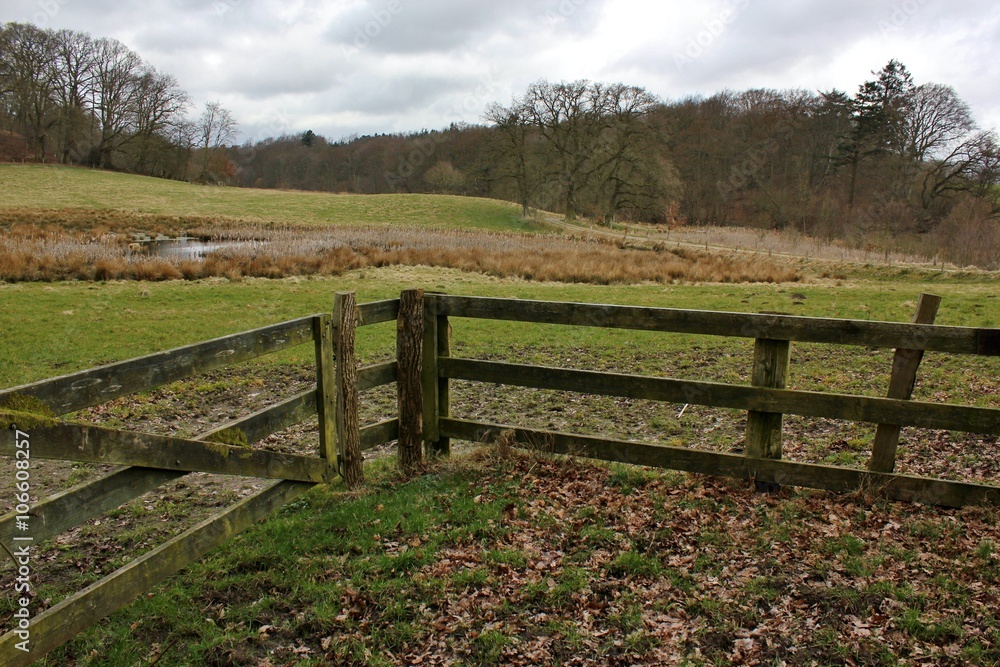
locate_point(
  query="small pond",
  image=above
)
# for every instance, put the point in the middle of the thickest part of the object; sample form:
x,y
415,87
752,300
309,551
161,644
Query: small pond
x,y
184,247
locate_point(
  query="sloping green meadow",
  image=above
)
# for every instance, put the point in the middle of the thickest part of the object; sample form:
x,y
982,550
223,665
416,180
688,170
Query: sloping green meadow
x,y
48,187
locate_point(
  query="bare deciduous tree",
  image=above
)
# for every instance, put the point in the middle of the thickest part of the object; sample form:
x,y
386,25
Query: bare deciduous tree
x,y
117,72
516,151
160,108
936,120
75,61
216,127
580,144
28,79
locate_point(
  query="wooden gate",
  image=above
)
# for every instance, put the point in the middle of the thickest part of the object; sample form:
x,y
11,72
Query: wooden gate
x,y
153,460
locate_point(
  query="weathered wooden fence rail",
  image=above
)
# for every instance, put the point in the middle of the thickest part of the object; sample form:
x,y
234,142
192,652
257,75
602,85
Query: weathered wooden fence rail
x,y
932,338
70,393
154,460
765,400
423,371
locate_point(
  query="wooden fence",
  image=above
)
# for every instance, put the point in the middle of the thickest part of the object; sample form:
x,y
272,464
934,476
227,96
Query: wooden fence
x,y
423,370
765,400
153,460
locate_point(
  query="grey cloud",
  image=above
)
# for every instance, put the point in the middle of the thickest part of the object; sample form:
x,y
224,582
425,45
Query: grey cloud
x,y
400,94
403,26
184,36
441,26
274,62
262,78
751,40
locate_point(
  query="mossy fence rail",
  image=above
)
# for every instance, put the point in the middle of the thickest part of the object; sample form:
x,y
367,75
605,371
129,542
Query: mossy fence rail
x,y
153,460
422,372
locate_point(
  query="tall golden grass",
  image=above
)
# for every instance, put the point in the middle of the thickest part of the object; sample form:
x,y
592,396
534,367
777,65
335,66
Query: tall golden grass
x,y
72,246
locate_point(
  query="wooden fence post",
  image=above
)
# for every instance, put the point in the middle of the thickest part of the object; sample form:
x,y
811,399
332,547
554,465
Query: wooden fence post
x,y
345,315
326,407
904,374
444,389
436,392
770,369
409,390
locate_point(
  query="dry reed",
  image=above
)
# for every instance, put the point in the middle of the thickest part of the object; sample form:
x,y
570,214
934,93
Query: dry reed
x,y
97,248
774,242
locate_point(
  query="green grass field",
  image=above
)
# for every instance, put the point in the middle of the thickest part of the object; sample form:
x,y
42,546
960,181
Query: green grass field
x,y
62,327
496,558
51,187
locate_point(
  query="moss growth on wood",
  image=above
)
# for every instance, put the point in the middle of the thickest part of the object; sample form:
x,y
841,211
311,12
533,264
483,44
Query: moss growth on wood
x,y
23,403
26,412
229,436
25,421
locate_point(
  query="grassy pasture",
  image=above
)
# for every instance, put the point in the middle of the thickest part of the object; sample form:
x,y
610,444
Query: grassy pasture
x,y
51,187
61,327
503,559
496,558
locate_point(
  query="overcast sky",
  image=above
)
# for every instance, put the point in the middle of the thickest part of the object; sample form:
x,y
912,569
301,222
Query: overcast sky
x,y
341,67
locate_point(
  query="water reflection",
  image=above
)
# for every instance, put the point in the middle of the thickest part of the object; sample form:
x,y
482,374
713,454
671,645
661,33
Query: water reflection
x,y
185,247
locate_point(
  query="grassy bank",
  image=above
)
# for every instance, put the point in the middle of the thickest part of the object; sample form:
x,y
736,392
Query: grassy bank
x,y
74,224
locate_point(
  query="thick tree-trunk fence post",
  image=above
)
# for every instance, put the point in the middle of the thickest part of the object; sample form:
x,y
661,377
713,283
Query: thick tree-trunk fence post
x,y
409,388
904,375
326,404
436,392
770,369
345,317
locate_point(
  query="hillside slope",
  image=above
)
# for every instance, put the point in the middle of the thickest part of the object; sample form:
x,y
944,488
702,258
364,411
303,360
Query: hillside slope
x,y
54,187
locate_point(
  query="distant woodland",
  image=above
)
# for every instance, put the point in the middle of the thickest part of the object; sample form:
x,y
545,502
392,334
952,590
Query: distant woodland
x,y
895,165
